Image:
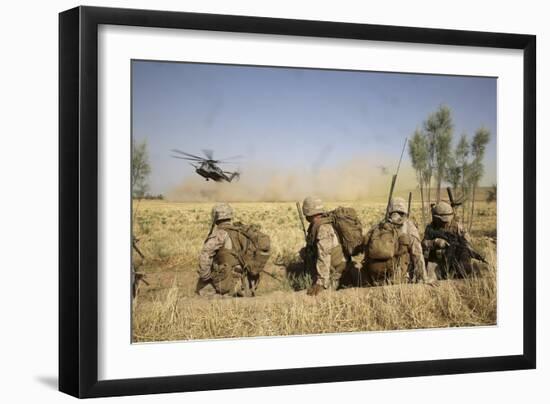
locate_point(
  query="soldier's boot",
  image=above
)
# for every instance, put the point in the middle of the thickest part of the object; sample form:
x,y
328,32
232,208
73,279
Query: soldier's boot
x,y
207,290
200,285
244,289
315,290
431,277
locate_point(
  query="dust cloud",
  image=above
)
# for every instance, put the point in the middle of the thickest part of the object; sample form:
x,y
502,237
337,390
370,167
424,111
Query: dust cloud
x,y
351,181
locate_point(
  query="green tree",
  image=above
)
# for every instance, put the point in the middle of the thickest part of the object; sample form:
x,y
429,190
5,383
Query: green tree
x,y
439,131
419,154
140,169
453,173
477,169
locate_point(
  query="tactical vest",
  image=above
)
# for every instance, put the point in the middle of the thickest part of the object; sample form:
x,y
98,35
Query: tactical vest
x,y
452,227
227,258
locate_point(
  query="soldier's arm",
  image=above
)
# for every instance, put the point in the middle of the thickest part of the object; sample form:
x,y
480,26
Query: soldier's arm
x,y
462,232
366,240
428,240
417,257
324,247
212,244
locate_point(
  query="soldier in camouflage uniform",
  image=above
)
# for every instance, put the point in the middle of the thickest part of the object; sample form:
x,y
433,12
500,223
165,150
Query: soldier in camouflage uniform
x,y
407,264
323,252
444,259
219,269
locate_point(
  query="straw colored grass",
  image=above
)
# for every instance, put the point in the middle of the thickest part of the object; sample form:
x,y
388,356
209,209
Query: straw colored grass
x,y
171,235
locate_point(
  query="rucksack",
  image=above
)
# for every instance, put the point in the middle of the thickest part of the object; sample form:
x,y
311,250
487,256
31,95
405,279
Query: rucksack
x,y
383,242
252,246
349,229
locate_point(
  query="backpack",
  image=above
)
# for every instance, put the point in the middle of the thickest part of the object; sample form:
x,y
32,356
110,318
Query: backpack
x,y
252,246
383,242
349,229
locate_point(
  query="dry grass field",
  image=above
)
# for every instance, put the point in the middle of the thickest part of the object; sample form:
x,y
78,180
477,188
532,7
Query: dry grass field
x,y
171,236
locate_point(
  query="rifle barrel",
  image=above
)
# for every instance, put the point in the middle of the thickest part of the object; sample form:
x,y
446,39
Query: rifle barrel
x,y
394,179
301,216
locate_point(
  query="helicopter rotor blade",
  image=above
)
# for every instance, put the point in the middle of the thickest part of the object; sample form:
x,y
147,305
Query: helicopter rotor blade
x,y
187,154
209,154
186,158
230,158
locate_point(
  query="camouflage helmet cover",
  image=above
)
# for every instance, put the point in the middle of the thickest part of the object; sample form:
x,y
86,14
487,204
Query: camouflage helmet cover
x,y
222,211
397,205
312,206
443,211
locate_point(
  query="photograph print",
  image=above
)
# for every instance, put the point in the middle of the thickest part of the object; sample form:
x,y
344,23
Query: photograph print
x,y
280,201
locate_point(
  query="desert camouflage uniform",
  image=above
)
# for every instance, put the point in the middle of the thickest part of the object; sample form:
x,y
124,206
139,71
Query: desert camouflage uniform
x,y
219,269
408,264
414,249
218,266
328,257
450,260
438,261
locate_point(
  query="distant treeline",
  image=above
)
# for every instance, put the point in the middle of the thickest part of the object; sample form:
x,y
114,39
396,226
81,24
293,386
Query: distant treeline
x,y
150,197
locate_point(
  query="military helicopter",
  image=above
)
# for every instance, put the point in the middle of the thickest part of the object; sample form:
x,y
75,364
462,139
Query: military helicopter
x,y
207,167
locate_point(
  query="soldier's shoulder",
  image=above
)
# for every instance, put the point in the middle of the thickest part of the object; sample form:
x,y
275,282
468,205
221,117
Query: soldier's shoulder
x,y
412,229
460,227
218,234
325,230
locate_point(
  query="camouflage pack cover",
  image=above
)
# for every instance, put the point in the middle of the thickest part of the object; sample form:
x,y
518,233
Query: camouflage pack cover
x,y
251,246
383,242
349,228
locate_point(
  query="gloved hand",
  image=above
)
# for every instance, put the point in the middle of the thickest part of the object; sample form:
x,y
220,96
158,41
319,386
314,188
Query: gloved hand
x,y
441,243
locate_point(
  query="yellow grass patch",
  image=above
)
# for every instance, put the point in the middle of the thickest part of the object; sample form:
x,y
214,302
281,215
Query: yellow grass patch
x,y
171,236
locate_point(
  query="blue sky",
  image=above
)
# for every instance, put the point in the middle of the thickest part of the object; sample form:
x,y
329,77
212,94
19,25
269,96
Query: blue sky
x,y
295,119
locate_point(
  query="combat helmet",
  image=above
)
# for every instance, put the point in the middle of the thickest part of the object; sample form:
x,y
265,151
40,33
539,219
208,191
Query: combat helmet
x,y
312,206
397,205
443,211
222,211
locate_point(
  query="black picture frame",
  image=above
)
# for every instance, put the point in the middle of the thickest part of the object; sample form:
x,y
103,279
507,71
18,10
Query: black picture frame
x,y
78,201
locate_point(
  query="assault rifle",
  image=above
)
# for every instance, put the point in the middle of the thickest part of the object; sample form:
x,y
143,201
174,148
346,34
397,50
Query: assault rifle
x,y
137,276
301,216
456,243
308,253
136,248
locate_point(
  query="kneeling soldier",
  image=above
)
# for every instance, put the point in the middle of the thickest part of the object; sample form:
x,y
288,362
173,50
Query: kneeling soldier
x,y
219,268
393,251
323,251
447,245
